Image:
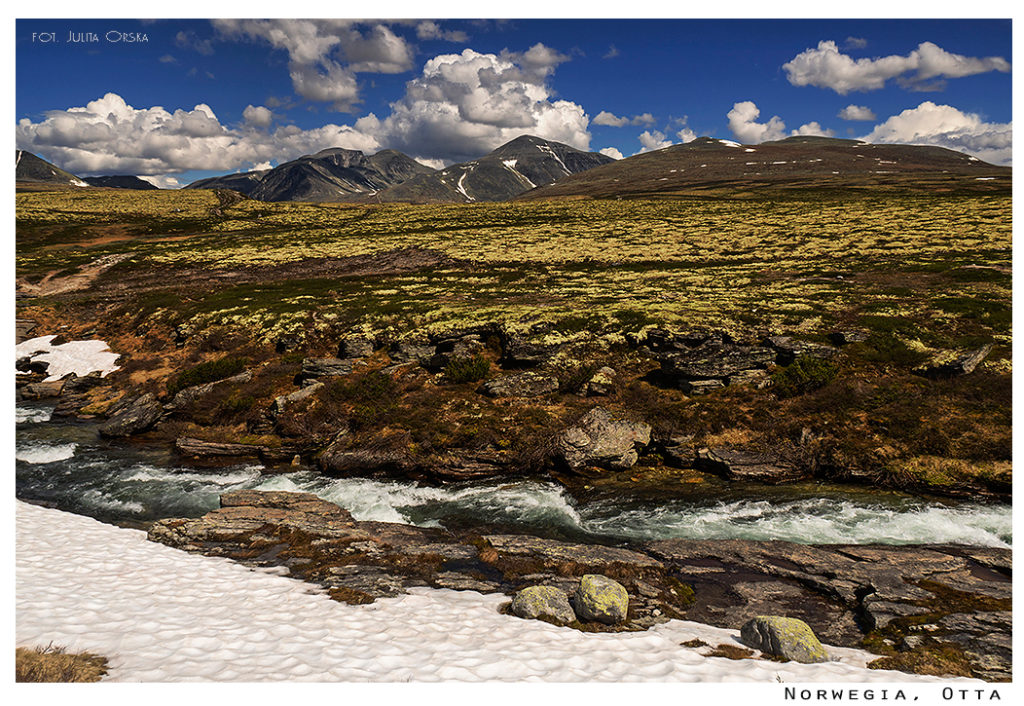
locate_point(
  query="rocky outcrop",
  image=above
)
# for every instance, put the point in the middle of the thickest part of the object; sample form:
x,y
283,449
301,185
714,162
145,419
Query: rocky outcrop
x,y
848,336
601,384
412,352
132,416
955,595
521,353
789,638
184,398
602,599
598,439
953,364
325,367
700,363
356,347
281,402
386,458
543,603
525,384
739,464
201,448
789,349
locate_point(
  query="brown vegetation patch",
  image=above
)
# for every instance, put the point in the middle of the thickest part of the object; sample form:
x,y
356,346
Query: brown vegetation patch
x,y
53,664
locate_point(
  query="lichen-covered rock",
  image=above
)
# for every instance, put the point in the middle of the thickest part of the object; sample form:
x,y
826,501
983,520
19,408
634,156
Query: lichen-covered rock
x,y
789,349
192,394
599,440
602,383
412,352
790,638
602,599
543,603
526,384
325,367
740,464
355,347
951,363
134,416
282,401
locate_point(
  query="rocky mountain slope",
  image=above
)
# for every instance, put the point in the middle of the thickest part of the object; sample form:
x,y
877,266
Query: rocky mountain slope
x,y
334,174
29,167
514,168
708,165
120,181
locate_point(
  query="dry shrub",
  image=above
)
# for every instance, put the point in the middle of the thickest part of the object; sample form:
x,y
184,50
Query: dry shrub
x,y
53,664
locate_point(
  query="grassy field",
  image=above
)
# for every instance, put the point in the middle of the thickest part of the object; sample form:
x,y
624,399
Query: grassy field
x,y
938,268
922,274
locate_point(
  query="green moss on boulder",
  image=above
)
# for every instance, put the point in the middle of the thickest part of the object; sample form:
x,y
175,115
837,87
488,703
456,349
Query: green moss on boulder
x,y
602,599
543,603
789,638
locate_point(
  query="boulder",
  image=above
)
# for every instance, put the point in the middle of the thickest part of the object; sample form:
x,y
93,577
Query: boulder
x,y
789,349
602,383
412,352
523,353
133,416
355,347
844,338
526,384
953,364
282,401
188,446
75,385
714,358
601,599
28,365
338,458
599,440
740,464
789,638
325,367
700,387
41,390
543,603
191,394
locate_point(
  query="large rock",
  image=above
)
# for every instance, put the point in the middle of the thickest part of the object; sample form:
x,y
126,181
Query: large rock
x,y
355,347
282,401
388,458
133,416
526,384
739,464
953,364
526,353
601,599
789,638
412,352
789,349
194,393
200,448
602,441
325,367
543,603
714,358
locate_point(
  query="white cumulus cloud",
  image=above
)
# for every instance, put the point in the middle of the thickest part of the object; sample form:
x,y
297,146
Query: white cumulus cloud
x,y
257,116
653,140
813,128
827,67
613,120
946,126
744,125
857,112
611,152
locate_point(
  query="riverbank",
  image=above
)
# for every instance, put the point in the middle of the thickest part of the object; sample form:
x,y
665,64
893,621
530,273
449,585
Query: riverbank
x,y
160,614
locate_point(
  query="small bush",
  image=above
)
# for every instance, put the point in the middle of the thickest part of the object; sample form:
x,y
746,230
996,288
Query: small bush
x,y
211,371
460,370
805,374
52,664
373,397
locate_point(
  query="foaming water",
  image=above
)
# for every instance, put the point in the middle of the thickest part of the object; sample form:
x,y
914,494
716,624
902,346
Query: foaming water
x,y
41,453
68,465
32,415
810,521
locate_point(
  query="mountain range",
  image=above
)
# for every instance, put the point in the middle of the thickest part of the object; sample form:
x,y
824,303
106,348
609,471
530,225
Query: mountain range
x,y
530,167
708,165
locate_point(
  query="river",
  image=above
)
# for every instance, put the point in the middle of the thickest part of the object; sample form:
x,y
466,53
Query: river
x,y
65,463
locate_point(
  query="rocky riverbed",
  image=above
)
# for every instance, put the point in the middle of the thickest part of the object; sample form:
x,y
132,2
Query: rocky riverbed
x,y
923,607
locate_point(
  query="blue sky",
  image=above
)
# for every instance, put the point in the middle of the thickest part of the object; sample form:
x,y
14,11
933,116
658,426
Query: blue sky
x,y
200,97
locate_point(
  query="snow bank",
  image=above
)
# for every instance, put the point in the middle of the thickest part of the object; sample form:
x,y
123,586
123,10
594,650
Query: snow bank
x,y
78,357
160,614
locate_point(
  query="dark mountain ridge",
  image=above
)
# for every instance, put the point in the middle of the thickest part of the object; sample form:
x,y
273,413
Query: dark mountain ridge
x,y
709,165
512,169
29,167
120,181
334,174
